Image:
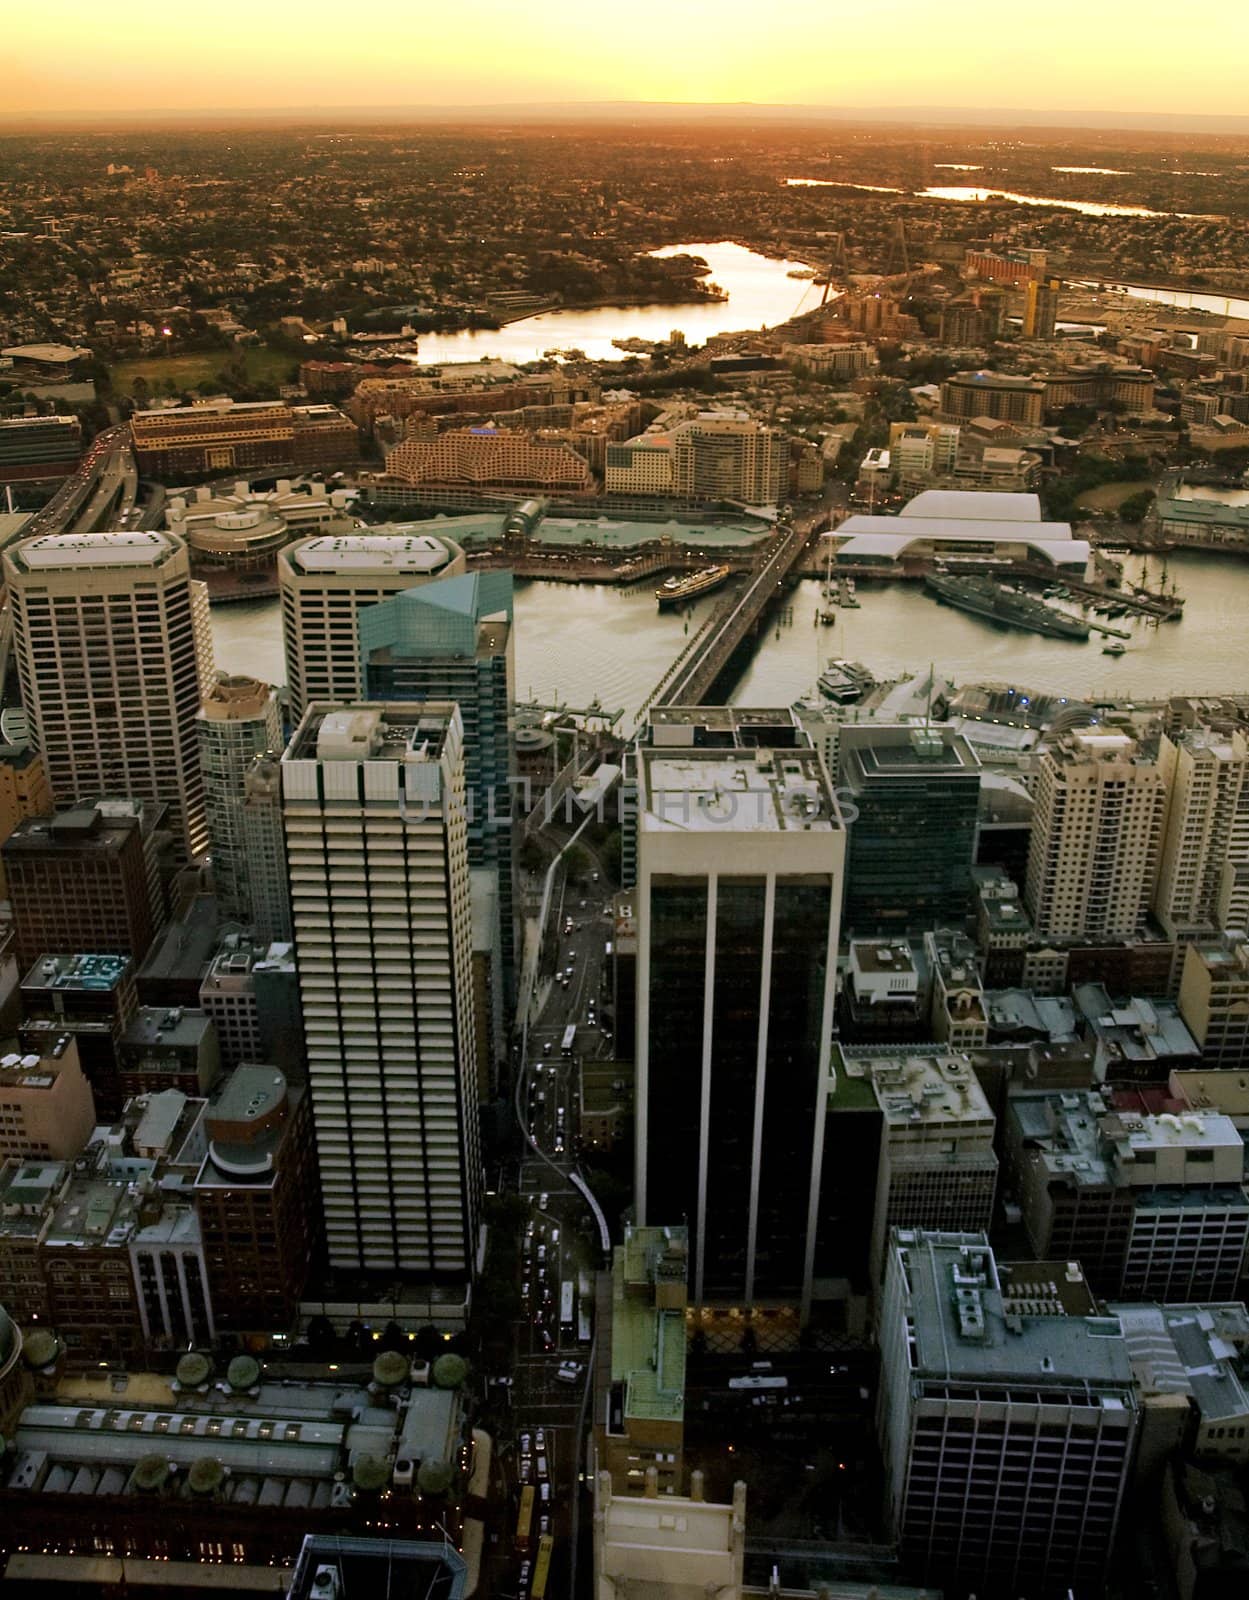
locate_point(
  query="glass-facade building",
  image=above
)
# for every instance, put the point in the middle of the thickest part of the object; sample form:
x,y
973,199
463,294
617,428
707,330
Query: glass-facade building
x,y
452,640
740,859
912,794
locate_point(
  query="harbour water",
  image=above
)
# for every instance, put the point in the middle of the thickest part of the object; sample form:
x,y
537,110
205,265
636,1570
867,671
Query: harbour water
x,y
968,192
574,644
760,293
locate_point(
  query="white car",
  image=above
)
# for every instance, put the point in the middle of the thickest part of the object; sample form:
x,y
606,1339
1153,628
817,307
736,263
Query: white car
x,y
568,1372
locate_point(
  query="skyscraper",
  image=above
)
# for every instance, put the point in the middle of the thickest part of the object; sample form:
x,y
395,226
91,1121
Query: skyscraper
x,y
911,846
239,721
1096,836
1040,309
1204,834
325,582
1007,1418
453,640
113,654
740,856
376,839
268,881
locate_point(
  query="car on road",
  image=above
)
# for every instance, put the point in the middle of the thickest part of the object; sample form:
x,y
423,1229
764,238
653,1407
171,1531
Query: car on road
x,y
546,1048
544,1472
540,1438
526,1469
568,1372
526,1441
544,1200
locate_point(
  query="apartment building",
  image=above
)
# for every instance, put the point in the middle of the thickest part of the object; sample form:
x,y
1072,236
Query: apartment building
x,y
1040,307
265,843
239,720
1206,834
114,651
641,466
376,840
1214,1000
326,582
966,395
1007,1422
922,451
729,456
1097,829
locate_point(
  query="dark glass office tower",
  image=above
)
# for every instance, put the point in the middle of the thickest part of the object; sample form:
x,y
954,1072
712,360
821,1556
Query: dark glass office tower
x,y
740,852
452,640
915,793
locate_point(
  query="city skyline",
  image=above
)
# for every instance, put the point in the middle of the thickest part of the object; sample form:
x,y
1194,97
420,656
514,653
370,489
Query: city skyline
x,y
936,63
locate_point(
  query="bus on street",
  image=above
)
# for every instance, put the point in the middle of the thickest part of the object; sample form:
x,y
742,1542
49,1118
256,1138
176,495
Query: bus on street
x,y
524,1518
542,1567
565,1303
569,1039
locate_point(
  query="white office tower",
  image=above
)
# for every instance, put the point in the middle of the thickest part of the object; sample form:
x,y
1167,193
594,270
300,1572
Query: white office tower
x,y
1204,837
1096,837
239,720
1007,1418
326,582
377,851
114,653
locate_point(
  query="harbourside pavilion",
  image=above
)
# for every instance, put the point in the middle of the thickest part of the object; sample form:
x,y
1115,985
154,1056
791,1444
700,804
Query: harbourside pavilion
x,y
616,532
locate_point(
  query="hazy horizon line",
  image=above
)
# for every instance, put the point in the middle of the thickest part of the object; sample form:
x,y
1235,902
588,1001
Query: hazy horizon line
x,y
996,118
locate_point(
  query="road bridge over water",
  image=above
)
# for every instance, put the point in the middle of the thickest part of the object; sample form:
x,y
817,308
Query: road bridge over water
x,y
693,675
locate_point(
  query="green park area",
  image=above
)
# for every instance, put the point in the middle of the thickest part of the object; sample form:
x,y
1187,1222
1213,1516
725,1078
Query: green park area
x,y
1107,496
209,371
